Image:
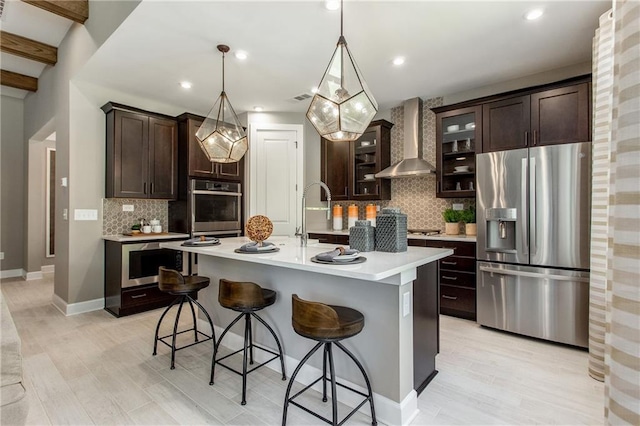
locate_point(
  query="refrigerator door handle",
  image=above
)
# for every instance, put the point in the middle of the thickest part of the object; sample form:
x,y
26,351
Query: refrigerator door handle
x,y
523,208
533,274
533,207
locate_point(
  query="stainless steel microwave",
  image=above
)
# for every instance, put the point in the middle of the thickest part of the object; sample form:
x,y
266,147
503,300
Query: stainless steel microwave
x,y
140,263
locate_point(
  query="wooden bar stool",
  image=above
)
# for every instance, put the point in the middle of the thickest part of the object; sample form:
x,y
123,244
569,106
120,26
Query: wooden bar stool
x,y
327,324
246,298
173,282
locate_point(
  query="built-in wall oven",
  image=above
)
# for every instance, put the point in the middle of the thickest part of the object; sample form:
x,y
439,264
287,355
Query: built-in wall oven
x,y
140,263
216,207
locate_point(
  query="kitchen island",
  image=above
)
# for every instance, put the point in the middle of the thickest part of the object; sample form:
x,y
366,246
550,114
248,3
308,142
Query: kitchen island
x,y
382,288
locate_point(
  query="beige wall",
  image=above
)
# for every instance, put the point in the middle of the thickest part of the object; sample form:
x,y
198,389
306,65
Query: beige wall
x,y
12,162
80,152
36,206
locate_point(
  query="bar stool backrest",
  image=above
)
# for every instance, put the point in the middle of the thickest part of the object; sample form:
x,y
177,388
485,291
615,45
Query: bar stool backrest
x,y
240,294
169,280
310,318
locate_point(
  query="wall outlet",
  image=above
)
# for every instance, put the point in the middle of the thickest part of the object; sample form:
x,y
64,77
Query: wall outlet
x,y
85,214
127,207
1,255
64,182
406,304
65,214
457,206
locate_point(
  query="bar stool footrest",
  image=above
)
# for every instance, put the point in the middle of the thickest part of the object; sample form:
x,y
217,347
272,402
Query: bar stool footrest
x,y
207,338
351,413
276,356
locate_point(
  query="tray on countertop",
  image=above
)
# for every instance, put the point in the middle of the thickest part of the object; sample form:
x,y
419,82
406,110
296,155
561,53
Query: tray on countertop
x,y
360,259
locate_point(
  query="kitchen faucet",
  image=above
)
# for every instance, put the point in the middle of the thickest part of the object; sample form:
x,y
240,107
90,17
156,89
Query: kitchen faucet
x,y
303,234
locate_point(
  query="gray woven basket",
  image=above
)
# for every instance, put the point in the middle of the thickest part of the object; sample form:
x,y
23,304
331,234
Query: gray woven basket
x,y
362,236
391,231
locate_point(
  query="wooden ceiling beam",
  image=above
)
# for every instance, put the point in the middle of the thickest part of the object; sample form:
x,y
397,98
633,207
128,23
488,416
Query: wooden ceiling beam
x,y
19,81
76,10
27,48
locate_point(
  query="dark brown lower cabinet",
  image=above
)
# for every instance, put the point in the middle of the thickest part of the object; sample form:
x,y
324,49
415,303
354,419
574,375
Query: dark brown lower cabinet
x,y
330,238
426,326
457,277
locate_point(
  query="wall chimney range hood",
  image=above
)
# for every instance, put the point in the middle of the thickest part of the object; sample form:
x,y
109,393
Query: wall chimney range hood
x,y
413,164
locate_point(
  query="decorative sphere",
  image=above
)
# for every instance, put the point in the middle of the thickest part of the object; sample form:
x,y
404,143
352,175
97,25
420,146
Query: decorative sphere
x,y
259,228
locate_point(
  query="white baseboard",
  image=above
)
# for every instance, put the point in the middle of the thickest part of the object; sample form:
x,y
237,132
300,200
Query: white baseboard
x,y
387,411
47,269
12,273
30,276
77,308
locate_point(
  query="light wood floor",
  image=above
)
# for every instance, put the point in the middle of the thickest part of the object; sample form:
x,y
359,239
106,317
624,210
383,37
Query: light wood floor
x,y
95,369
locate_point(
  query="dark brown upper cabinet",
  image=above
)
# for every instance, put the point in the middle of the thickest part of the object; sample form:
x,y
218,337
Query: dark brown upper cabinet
x,y
194,162
348,167
458,139
548,117
142,153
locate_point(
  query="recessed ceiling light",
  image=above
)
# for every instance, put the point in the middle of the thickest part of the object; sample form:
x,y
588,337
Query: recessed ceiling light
x,y
185,84
241,54
398,61
533,14
332,4
314,90
258,108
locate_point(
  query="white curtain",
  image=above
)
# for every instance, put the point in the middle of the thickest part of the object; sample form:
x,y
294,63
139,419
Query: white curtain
x,y
617,221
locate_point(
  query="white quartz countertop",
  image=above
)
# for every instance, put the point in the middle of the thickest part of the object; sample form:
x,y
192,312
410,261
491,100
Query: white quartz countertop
x,y
379,265
440,237
144,237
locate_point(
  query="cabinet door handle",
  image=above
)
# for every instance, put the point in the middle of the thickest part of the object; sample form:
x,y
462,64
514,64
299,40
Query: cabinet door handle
x,y
444,262
535,137
138,296
346,191
449,278
444,296
151,188
144,188
526,138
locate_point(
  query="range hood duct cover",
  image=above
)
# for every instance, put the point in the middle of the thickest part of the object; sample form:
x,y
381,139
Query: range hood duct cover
x,y
413,164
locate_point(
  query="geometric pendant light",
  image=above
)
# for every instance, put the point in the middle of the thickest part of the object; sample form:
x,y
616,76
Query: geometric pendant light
x,y
221,136
343,106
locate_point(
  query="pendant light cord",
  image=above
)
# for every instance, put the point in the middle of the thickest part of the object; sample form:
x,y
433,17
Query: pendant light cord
x,y
341,9
223,72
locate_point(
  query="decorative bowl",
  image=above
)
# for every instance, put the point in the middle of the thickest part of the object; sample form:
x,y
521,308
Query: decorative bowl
x,y
259,228
365,143
462,168
369,176
453,128
470,126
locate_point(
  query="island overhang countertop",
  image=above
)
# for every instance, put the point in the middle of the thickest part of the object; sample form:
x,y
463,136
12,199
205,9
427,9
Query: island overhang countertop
x,y
379,265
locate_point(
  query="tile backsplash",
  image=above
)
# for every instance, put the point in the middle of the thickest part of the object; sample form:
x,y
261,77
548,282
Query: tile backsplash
x,y
115,221
414,196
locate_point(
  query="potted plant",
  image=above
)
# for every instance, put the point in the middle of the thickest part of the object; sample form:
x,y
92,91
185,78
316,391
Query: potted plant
x,y
469,219
452,221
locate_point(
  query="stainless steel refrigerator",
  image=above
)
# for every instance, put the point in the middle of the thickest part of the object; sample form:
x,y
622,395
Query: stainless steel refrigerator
x,y
533,216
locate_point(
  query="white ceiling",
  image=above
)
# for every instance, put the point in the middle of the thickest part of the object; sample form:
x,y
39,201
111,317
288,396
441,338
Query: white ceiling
x,y
36,24
450,46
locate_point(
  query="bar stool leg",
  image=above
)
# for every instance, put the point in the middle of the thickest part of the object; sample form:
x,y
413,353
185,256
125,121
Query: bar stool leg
x,y
216,346
193,315
334,391
263,322
175,330
155,342
206,314
366,379
292,379
247,333
324,374
248,316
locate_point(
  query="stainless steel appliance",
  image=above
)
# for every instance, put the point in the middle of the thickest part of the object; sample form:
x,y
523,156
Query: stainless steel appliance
x,y
215,207
533,215
140,263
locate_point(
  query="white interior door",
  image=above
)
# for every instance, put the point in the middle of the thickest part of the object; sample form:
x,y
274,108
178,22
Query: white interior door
x,y
276,174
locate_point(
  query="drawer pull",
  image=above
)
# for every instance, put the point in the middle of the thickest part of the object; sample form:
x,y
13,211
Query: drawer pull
x,y
444,296
444,262
449,278
138,296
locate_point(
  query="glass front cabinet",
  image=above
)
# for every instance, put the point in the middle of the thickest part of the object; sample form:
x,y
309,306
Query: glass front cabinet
x,y
458,139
